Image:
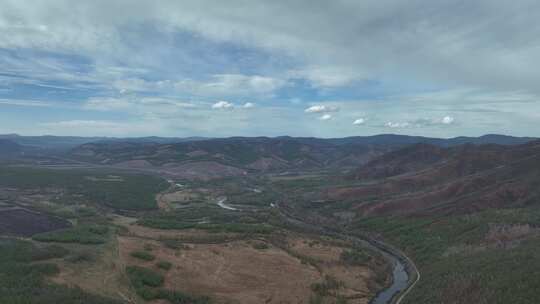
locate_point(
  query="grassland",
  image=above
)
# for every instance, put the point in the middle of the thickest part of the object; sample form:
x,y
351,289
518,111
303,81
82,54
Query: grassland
x,y
23,269
182,251
143,255
82,234
124,191
210,218
148,285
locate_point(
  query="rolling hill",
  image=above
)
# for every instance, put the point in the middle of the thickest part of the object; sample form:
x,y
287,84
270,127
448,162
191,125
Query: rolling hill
x,y
425,179
9,148
264,153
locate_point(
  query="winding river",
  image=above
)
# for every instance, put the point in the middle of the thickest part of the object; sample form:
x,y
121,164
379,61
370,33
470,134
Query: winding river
x,y
404,272
400,282
221,202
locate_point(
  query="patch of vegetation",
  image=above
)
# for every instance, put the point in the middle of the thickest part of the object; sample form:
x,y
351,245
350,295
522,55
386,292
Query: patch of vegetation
x,y
83,234
80,257
147,284
66,211
174,244
355,257
243,196
261,246
238,228
22,274
164,265
211,227
475,271
141,276
133,192
143,255
212,219
148,247
328,287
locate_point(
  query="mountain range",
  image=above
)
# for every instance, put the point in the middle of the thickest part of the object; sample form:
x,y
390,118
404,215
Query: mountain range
x,y
426,179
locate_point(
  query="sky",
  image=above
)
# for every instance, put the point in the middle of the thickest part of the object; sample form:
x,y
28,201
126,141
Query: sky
x,y
269,68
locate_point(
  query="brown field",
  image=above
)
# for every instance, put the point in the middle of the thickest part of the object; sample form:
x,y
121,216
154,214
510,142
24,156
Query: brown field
x,y
236,272
202,170
166,200
180,196
103,274
229,268
233,271
355,278
188,235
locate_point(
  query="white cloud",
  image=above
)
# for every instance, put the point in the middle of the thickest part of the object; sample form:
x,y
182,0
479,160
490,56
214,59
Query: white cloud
x,y
321,109
325,117
447,120
217,85
200,50
222,105
137,105
421,123
230,85
329,76
84,124
397,124
107,104
25,103
359,121
248,105
368,36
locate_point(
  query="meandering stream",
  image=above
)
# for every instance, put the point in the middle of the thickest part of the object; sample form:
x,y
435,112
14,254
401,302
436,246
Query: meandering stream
x,y
221,203
400,282
402,266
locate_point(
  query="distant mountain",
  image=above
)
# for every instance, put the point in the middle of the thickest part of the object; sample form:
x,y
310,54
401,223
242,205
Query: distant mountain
x,y
403,140
485,139
459,179
49,141
9,148
59,143
410,158
386,140
254,153
269,154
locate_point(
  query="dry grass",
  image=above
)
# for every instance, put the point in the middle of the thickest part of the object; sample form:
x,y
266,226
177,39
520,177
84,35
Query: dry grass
x,y
103,275
354,278
229,272
233,271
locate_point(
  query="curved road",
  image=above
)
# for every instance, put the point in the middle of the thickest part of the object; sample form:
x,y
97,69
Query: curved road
x,y
405,272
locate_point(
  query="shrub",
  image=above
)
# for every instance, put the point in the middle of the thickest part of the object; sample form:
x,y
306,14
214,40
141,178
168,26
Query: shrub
x,y
327,287
146,283
261,246
140,276
22,280
84,234
143,255
164,265
355,257
174,244
80,257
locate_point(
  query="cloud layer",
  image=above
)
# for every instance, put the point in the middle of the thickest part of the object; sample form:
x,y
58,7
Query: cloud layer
x,y
319,68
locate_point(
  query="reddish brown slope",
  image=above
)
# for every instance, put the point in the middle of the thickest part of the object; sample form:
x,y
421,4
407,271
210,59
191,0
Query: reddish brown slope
x,y
464,179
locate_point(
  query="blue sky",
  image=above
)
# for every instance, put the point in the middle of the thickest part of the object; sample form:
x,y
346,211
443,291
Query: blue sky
x,y
252,68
